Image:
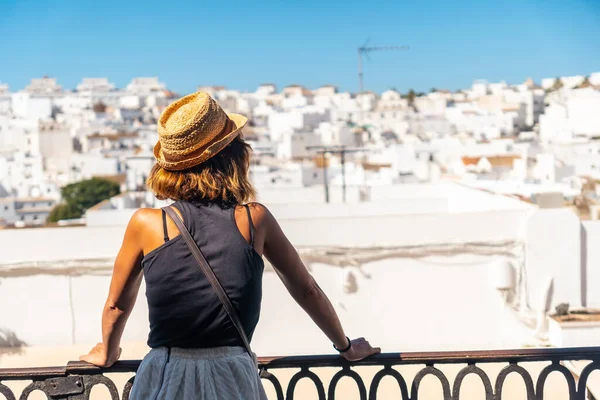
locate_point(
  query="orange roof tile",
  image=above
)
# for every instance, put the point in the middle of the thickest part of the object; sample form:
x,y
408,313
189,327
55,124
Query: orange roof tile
x,y
495,161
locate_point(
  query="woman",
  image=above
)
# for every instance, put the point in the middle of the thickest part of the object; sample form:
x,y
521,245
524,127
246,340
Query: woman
x,y
196,351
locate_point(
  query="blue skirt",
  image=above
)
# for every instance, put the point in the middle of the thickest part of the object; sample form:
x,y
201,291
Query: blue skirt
x,y
224,373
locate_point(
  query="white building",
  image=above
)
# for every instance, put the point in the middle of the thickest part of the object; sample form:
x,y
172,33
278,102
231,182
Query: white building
x,y
268,177
20,173
56,148
44,87
325,91
430,106
95,85
336,133
265,90
366,101
17,134
324,96
391,100
145,86
88,165
479,122
305,118
570,114
531,104
301,141
137,168
479,88
131,101
584,112
5,99
568,82
98,90
27,106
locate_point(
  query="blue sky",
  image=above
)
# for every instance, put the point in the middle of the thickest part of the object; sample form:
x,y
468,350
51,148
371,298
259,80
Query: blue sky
x,y
242,44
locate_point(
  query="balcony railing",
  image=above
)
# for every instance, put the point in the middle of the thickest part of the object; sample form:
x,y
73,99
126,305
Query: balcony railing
x,y
76,380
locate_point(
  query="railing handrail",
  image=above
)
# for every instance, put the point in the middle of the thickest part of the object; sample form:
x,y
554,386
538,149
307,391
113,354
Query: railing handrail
x,y
427,358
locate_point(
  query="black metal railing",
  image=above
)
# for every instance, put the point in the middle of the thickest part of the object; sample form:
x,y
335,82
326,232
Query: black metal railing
x,y
76,380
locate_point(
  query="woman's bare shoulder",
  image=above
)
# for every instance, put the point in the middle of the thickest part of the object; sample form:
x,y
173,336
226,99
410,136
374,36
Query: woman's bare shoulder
x,y
260,213
144,217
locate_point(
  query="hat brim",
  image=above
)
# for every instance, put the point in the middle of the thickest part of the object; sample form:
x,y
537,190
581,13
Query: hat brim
x,y
203,153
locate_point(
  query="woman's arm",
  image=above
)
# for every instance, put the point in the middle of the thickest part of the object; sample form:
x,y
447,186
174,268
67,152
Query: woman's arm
x,y
124,287
305,290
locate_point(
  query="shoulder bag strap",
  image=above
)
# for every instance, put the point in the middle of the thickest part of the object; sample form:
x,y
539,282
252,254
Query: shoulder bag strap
x,y
212,278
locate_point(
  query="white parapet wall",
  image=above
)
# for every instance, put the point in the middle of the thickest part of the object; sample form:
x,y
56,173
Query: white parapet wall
x,y
54,281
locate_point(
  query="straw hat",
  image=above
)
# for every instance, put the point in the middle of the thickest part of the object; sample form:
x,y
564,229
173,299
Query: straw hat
x,y
193,129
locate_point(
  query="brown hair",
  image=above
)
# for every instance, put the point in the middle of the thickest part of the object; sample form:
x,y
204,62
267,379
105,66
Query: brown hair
x,y
222,178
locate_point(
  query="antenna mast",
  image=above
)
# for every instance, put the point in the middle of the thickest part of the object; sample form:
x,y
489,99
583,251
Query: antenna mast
x,y
364,50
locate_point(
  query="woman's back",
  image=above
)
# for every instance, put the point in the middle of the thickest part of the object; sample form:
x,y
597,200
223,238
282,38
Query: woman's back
x,y
197,352
184,310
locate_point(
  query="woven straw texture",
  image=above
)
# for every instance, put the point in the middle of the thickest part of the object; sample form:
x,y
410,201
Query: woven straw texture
x,y
193,129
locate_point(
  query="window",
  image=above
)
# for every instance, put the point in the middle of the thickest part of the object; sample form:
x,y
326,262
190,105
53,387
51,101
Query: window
x,y
315,174
22,218
35,217
5,208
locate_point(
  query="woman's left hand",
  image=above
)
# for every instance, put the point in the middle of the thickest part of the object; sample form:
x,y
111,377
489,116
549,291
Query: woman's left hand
x,y
99,356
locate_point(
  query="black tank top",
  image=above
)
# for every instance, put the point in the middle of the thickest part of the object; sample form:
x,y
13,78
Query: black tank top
x,y
184,310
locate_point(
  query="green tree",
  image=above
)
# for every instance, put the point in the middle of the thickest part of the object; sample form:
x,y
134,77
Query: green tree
x,y
62,211
556,85
80,196
585,83
432,90
411,96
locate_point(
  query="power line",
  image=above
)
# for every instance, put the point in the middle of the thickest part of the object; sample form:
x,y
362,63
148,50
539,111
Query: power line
x,y
342,151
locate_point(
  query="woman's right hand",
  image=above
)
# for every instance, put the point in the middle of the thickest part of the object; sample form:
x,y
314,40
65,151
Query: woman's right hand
x,y
100,357
359,350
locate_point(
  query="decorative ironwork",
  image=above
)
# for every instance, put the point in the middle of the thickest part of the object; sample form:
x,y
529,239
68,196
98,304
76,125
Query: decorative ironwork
x,y
76,380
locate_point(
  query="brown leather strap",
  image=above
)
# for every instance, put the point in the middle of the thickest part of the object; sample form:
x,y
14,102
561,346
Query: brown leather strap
x,y
212,278
165,231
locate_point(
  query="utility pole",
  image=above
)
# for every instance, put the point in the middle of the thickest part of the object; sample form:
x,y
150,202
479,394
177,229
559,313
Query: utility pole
x,y
342,151
325,180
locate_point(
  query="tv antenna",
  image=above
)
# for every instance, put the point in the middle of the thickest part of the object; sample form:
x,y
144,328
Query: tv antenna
x,y
364,50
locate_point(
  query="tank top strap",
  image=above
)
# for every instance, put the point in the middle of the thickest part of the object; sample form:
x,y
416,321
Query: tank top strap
x,y
250,224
